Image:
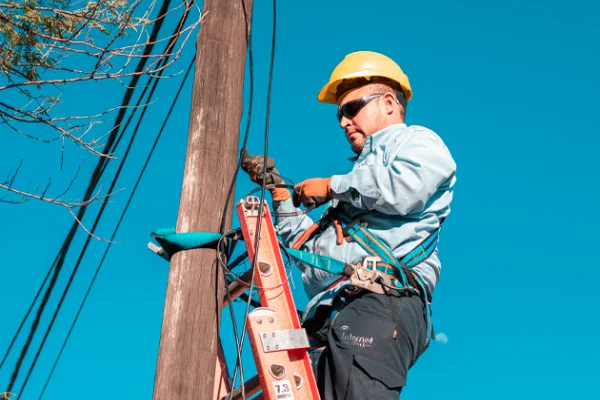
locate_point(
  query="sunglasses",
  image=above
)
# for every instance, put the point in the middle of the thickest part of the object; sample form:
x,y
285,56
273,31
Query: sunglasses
x,y
352,108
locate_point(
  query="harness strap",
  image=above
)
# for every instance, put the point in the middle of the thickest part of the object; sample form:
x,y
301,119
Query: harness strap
x,y
375,247
324,263
422,251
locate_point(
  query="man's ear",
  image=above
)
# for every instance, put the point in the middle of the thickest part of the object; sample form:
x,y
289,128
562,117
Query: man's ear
x,y
390,102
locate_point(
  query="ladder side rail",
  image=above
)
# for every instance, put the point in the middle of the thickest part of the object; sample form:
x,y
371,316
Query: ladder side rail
x,y
276,298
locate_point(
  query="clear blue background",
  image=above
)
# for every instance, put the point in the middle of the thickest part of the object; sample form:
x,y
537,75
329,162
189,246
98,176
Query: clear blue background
x,y
511,87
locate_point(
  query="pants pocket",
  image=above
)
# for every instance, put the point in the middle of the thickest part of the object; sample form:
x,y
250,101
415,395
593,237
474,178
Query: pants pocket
x,y
391,375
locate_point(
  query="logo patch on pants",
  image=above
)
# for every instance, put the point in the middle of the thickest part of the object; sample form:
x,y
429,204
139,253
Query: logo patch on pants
x,y
349,339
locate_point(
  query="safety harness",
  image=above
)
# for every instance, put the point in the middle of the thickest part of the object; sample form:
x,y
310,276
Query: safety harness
x,y
378,273
381,271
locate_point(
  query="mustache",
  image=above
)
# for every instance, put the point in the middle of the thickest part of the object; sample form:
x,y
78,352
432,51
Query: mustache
x,y
351,131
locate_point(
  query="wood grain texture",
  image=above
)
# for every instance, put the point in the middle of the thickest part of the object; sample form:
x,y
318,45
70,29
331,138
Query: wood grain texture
x,y
189,339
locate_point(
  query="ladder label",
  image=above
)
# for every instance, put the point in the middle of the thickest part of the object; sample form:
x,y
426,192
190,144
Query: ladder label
x,y
283,390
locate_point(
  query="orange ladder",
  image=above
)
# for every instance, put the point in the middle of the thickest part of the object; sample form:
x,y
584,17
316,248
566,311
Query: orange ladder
x,y
278,341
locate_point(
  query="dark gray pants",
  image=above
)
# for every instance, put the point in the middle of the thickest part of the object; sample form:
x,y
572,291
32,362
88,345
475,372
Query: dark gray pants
x,y
371,344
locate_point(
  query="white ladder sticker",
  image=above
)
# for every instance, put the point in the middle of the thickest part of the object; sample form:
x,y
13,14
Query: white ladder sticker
x,y
283,390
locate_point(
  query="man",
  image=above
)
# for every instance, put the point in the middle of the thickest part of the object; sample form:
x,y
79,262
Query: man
x,y
399,191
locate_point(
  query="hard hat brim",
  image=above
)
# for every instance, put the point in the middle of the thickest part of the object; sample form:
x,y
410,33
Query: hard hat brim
x,y
328,93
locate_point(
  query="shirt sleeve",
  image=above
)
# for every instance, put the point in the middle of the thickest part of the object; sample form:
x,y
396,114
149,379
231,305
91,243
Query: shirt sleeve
x,y
290,228
415,171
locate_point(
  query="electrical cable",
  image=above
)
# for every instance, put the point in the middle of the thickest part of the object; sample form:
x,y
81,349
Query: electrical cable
x,y
233,278
262,197
256,245
73,273
232,185
133,191
245,297
283,214
89,238
95,178
81,255
37,295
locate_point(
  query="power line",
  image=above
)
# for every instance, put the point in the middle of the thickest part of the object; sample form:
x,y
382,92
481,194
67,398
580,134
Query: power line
x,y
96,175
12,342
117,227
78,263
91,188
102,208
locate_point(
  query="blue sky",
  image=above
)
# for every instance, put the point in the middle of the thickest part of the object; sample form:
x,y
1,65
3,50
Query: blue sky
x,y
510,86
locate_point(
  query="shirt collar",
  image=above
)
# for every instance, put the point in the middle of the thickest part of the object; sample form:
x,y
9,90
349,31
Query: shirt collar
x,y
378,139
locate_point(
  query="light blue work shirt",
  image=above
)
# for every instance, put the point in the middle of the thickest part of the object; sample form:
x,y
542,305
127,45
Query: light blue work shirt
x,y
401,186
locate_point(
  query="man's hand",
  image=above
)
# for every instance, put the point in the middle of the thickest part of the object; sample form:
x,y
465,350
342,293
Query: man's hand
x,y
255,167
312,192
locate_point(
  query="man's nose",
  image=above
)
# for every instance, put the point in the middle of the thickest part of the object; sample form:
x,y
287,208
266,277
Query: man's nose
x,y
345,122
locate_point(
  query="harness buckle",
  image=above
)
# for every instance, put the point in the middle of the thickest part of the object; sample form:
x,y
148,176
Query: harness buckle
x,y
371,261
366,276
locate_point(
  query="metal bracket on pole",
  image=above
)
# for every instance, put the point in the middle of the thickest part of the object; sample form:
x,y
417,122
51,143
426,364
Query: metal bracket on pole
x,y
157,250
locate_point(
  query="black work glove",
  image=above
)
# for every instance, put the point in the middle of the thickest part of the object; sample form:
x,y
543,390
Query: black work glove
x,y
255,167
312,192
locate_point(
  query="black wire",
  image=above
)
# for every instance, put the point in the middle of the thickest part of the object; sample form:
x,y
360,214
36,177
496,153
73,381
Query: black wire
x,y
96,175
96,222
60,257
12,342
237,261
237,169
117,226
246,297
282,214
81,255
173,38
262,197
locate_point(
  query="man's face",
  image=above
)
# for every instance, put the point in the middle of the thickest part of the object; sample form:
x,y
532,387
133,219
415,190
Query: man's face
x,y
369,119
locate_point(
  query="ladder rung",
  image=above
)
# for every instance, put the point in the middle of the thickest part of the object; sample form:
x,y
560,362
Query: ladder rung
x,y
236,288
252,387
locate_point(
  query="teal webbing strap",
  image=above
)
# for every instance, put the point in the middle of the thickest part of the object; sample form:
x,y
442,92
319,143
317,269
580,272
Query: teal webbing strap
x,y
422,251
324,263
173,242
375,247
370,243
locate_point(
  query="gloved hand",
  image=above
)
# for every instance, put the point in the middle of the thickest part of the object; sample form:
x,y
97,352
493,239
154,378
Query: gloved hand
x,y
312,192
255,167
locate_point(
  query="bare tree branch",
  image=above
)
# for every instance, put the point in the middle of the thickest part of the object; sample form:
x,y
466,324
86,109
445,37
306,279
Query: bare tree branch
x,y
106,35
49,45
68,204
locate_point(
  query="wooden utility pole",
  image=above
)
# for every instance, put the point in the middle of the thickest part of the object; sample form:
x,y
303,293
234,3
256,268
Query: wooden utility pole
x,y
189,336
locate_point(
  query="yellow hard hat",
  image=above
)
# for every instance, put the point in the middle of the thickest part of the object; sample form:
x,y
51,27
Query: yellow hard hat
x,y
367,65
